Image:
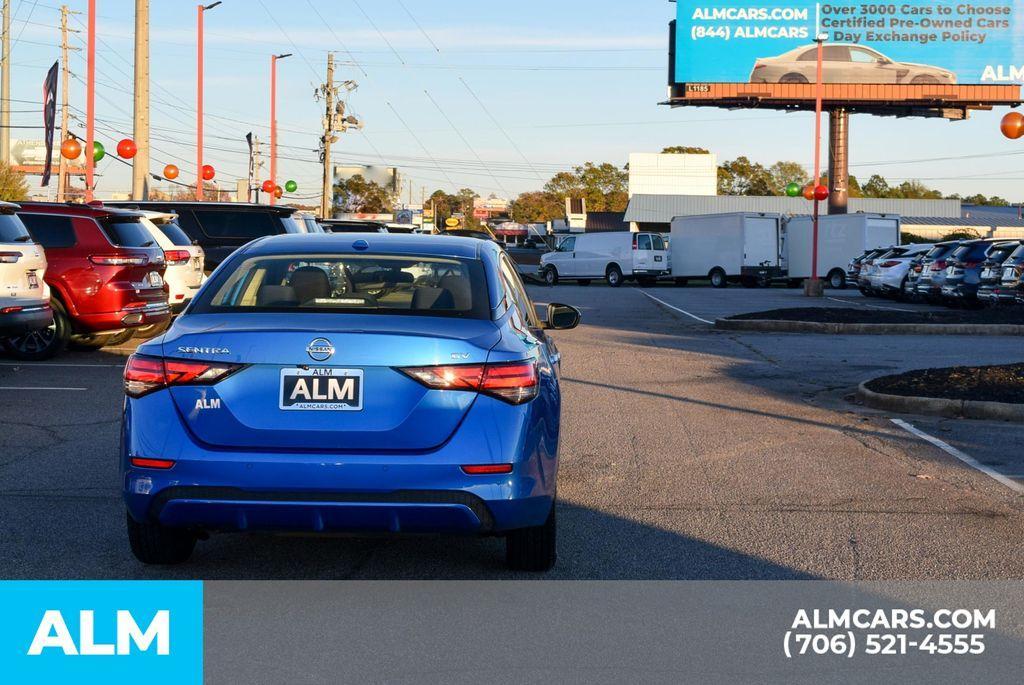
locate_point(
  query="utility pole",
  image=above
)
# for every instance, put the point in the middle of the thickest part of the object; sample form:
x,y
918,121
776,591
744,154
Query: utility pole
x,y
65,64
5,86
335,121
90,102
140,164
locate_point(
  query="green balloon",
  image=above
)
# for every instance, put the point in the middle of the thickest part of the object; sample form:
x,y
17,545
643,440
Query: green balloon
x,y
291,186
793,189
98,151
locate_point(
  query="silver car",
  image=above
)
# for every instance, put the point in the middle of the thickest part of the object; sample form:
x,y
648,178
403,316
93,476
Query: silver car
x,y
24,295
845,63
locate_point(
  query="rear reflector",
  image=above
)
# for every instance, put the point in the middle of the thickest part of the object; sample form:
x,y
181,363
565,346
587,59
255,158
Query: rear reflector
x,y
144,374
10,310
487,469
512,382
144,463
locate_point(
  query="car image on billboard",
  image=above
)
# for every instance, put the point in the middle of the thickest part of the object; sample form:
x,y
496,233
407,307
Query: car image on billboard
x,y
845,64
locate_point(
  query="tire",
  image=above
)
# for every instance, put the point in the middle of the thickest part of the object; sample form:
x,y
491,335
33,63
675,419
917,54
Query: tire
x,y
583,281
550,275
122,337
681,282
613,274
533,549
718,278
45,344
794,78
837,279
153,543
150,331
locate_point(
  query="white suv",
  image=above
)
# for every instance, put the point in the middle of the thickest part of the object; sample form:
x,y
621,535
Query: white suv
x,y
185,263
24,295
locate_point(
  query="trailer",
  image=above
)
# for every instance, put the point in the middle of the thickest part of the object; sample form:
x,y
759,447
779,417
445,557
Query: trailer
x,y
841,238
740,247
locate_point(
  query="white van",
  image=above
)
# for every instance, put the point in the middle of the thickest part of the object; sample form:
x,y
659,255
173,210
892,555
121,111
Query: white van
x,y
841,238
615,256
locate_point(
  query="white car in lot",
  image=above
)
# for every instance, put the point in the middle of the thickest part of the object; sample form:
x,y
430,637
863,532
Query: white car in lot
x,y
887,273
185,262
24,295
615,256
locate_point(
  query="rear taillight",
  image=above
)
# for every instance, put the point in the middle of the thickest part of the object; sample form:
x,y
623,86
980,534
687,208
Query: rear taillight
x,y
119,260
512,382
147,463
176,256
9,257
144,374
636,243
888,265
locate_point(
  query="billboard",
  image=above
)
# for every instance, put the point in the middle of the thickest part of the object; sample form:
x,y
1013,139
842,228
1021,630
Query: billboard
x,y
944,50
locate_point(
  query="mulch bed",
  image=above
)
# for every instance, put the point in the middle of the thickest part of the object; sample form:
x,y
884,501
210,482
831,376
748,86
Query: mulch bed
x,y
976,383
997,315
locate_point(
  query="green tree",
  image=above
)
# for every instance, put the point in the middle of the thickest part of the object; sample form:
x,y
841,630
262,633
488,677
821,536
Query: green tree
x,y
685,150
536,207
356,194
604,186
784,173
13,187
876,186
744,177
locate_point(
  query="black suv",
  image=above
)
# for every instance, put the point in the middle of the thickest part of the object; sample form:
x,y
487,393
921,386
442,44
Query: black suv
x,y
220,228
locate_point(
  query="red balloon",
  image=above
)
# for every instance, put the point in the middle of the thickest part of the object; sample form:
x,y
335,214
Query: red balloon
x,y
268,186
208,172
1012,125
278,192
171,172
820,193
127,148
808,192
70,149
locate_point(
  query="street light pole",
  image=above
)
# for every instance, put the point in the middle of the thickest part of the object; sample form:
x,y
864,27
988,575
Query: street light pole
x,y
90,100
273,123
200,10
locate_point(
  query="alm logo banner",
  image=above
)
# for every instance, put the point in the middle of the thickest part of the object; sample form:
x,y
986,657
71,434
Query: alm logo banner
x,y
102,631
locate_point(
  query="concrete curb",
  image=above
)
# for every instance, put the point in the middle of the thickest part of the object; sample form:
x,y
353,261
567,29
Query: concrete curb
x,y
934,406
779,326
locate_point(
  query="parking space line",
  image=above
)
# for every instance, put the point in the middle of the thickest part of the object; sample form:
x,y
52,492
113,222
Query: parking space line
x,y
677,309
872,306
16,387
965,458
49,364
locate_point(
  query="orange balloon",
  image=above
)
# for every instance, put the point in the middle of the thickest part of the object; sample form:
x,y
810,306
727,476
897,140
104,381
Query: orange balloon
x,y
170,172
70,149
278,192
1012,125
808,192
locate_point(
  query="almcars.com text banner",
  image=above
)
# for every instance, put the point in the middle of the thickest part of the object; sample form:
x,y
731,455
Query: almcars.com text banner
x,y
904,43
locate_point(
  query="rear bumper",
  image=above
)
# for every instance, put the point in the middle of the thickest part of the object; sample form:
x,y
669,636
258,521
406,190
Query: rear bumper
x,y
317,491
25,319
130,317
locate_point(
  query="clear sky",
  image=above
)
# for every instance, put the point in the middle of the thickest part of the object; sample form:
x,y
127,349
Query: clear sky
x,y
528,87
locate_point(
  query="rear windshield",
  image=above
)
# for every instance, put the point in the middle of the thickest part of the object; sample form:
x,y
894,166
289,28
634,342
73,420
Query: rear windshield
x,y
939,251
1017,257
999,253
225,223
126,232
972,252
360,284
12,230
174,233
354,228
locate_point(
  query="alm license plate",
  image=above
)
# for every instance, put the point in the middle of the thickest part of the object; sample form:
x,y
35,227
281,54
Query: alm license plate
x,y
321,389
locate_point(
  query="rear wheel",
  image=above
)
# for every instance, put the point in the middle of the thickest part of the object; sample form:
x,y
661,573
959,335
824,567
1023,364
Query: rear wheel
x,y
153,543
794,78
46,343
532,549
550,275
837,279
924,80
718,279
614,276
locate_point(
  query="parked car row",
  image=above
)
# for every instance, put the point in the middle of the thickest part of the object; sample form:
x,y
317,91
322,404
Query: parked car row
x,y
967,273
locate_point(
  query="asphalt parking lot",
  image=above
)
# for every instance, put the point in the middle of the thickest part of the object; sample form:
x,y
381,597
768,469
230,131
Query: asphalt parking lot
x,y
686,453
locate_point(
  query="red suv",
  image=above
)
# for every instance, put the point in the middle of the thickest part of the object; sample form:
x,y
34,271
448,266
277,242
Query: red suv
x,y
105,275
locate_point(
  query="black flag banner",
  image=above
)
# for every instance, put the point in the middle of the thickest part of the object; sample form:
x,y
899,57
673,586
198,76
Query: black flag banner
x,y
49,117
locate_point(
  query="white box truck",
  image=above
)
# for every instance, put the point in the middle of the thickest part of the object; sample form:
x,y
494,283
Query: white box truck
x,y
739,247
841,237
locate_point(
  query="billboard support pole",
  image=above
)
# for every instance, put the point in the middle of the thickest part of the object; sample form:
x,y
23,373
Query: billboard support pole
x,y
813,288
838,160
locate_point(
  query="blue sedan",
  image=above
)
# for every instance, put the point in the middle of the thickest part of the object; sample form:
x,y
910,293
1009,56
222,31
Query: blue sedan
x,y
374,383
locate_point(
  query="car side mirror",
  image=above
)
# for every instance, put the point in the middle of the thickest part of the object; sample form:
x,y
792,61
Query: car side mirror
x,y
562,317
